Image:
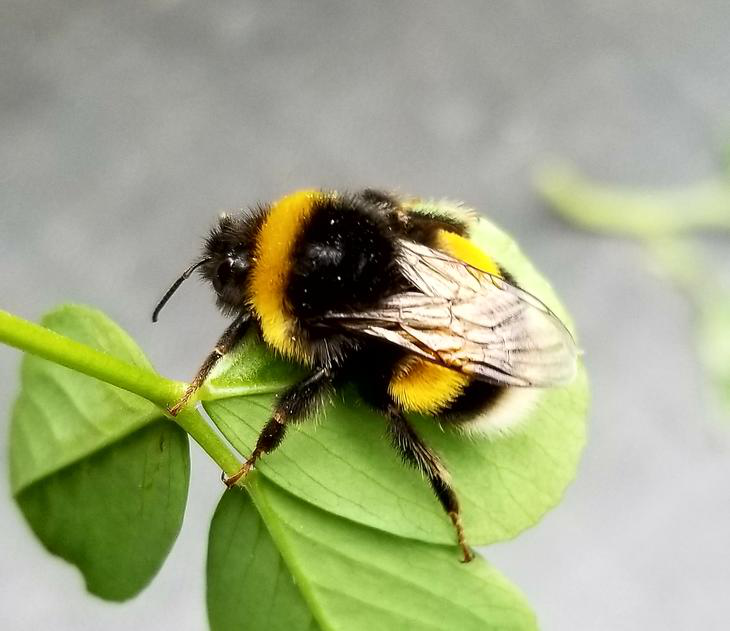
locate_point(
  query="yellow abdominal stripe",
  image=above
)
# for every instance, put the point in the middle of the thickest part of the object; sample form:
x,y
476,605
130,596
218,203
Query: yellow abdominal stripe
x,y
465,250
419,385
272,263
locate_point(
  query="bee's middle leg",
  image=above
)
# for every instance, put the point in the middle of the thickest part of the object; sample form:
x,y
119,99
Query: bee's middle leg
x,y
296,404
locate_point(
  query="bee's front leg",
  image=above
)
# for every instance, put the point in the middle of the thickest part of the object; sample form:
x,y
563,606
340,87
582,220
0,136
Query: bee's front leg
x,y
231,336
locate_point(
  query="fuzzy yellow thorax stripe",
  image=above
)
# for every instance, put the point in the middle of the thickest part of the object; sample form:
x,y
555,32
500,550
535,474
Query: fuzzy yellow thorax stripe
x,y
461,248
422,386
271,266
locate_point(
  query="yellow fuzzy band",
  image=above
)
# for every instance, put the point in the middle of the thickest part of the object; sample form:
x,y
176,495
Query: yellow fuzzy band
x,y
271,266
464,250
422,386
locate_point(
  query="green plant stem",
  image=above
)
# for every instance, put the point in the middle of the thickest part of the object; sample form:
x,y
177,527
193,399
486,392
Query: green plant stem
x,y
38,340
210,442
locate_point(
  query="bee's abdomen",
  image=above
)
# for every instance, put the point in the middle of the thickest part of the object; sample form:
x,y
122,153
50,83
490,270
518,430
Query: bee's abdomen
x,y
418,385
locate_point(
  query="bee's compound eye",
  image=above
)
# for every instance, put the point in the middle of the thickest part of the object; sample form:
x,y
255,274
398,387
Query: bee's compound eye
x,y
224,271
232,268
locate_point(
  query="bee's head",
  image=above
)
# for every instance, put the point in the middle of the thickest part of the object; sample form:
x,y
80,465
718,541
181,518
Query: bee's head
x,y
226,260
228,251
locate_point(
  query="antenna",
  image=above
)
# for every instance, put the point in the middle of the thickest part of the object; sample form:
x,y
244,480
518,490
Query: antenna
x,y
175,285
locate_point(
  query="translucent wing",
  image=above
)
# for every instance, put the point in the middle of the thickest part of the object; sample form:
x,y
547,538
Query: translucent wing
x,y
469,320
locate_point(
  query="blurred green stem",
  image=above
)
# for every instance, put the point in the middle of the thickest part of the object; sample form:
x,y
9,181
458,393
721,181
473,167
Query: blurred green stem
x,y
682,263
703,206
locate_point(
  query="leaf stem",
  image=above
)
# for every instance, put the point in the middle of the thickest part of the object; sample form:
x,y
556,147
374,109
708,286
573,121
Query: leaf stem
x,y
212,444
38,340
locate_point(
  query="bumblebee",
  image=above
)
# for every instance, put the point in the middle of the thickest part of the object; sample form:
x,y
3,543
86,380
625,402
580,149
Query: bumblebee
x,y
390,294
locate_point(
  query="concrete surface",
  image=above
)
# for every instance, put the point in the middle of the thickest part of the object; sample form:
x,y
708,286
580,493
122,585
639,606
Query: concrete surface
x,y
127,126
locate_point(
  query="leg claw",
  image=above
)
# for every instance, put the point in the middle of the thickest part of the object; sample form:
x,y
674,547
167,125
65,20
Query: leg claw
x,y
232,480
175,409
468,554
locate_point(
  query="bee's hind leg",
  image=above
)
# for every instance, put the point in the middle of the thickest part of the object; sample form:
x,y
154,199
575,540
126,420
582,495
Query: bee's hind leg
x,y
231,336
295,405
416,453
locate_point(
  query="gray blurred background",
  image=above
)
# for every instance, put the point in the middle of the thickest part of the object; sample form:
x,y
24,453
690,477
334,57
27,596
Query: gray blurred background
x,y
126,127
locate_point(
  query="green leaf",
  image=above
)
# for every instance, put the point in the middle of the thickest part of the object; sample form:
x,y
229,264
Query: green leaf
x,y
351,577
636,213
116,513
99,473
345,465
248,584
249,370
